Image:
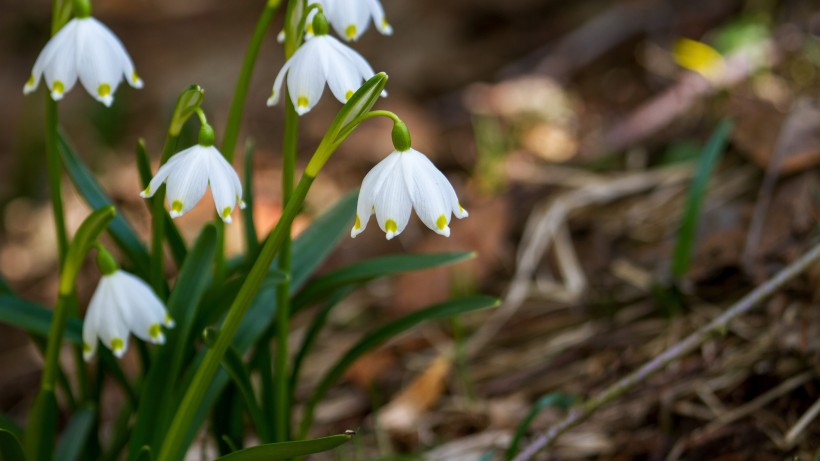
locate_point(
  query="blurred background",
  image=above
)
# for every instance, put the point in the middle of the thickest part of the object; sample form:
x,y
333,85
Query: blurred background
x,y
571,131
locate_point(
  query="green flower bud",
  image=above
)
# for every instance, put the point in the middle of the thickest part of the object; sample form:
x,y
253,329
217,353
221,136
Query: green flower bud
x,y
401,136
206,135
82,8
320,25
106,262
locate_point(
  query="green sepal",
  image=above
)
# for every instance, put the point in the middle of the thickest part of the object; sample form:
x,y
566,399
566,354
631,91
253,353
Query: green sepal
x,y
187,104
400,136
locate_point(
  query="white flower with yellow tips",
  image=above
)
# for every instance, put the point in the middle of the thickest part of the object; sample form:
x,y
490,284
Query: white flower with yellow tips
x,y
319,61
351,18
85,50
123,304
403,181
187,175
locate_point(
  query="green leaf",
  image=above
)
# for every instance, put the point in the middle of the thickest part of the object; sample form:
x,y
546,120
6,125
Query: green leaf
x,y
144,454
10,448
556,399
232,362
251,239
193,281
123,234
42,425
386,332
75,435
8,424
35,319
368,270
285,450
5,288
697,193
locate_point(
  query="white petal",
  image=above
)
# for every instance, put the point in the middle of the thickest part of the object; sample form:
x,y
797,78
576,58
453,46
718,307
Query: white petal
x,y
343,79
393,205
306,78
92,320
277,84
379,18
223,185
371,185
64,37
423,183
60,71
141,309
355,58
98,65
118,49
187,182
112,330
350,19
164,171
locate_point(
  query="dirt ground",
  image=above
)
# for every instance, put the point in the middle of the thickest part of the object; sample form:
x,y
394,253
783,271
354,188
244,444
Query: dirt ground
x,y
572,135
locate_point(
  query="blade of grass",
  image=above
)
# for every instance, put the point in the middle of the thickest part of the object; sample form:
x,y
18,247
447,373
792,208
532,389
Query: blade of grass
x,y
286,450
555,399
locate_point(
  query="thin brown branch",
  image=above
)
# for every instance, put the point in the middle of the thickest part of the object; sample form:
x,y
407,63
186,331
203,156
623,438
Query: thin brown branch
x,y
684,347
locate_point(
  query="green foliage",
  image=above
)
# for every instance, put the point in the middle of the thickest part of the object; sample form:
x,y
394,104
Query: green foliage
x,y
286,450
75,434
35,319
556,399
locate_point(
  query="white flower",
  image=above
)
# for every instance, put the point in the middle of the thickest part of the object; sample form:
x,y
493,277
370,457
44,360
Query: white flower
x,y
187,175
402,181
349,18
322,59
86,49
121,304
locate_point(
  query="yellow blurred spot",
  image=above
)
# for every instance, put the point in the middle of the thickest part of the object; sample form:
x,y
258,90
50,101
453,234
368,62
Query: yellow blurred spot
x,y
30,81
226,212
86,348
117,344
104,90
385,24
391,226
57,87
358,224
155,330
302,102
177,206
698,57
348,95
441,222
168,319
134,77
350,31
309,29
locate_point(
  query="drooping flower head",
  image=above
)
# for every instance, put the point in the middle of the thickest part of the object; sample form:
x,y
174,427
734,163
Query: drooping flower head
x,y
349,18
87,50
319,61
188,173
405,180
122,304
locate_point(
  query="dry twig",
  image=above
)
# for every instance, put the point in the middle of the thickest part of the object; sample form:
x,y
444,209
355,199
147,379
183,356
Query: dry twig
x,y
684,347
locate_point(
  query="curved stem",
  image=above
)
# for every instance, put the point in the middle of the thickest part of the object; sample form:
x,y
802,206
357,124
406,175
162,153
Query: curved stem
x,y
240,93
172,447
379,113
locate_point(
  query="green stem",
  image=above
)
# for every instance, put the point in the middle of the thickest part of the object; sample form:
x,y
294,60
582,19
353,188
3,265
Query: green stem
x,y
54,167
240,93
281,372
157,274
172,448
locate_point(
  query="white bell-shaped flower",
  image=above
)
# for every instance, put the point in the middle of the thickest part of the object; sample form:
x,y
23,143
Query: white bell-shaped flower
x,y
319,61
403,181
349,18
87,50
123,304
187,175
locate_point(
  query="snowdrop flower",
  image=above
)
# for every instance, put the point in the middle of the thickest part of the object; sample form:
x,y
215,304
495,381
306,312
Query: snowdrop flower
x,y
87,50
349,18
406,179
322,59
188,173
122,304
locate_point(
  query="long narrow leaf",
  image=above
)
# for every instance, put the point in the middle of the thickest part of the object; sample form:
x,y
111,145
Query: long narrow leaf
x,y
75,435
91,191
35,319
251,239
285,450
192,283
10,448
380,335
241,378
371,269
697,193
556,399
